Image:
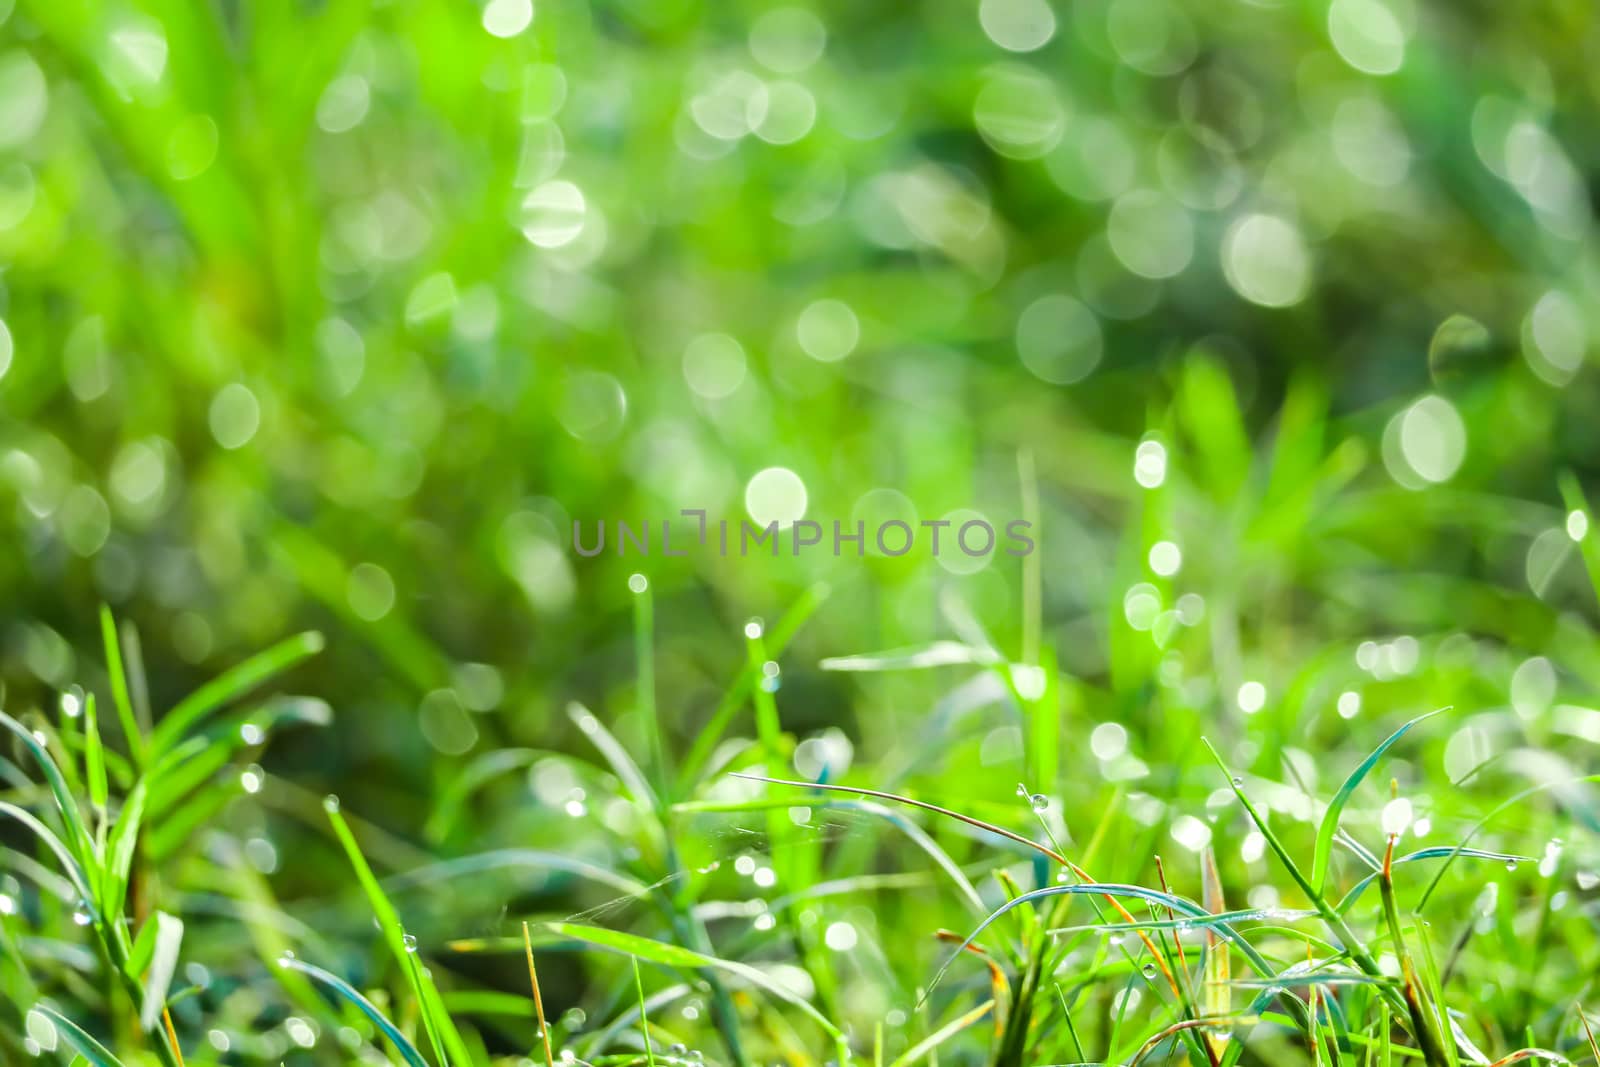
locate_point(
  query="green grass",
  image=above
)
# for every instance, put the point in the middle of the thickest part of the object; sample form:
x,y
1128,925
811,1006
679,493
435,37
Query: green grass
x,y
795,920
320,746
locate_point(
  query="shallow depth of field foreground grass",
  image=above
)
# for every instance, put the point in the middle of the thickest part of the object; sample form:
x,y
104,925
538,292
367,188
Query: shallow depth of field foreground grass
x,y
323,321
1306,873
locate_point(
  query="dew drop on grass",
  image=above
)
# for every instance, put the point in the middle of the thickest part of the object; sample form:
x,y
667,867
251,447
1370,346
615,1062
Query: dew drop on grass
x,y
82,917
1022,790
696,1056
251,779
754,628
1149,970
1511,865
330,803
409,941
1039,802
679,1049
638,583
1237,780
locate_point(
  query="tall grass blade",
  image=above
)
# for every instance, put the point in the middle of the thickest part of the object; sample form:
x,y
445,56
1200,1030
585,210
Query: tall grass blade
x,y
438,1022
407,1050
941,1035
230,685
73,1034
119,688
1330,818
77,839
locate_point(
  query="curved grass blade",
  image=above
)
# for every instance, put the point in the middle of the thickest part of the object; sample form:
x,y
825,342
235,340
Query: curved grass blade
x,y
998,831
438,1023
1330,818
1500,808
1449,852
510,858
69,862
633,779
943,1034
78,839
232,683
407,1050
1109,889
1223,917
1525,1054
478,772
73,1034
680,958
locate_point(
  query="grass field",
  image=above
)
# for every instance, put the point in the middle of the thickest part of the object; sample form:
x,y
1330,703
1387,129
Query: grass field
x,y
323,324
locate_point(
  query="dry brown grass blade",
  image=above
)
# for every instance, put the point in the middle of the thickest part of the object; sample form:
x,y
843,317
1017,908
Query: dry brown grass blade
x,y
538,1001
999,985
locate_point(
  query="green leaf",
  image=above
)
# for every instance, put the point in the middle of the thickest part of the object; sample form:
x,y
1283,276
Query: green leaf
x,y
69,862
94,756
119,687
120,848
78,839
73,1034
1330,818
407,1050
230,685
678,957
163,963
435,1019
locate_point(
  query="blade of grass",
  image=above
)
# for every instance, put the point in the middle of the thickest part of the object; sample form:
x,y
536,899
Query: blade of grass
x,y
438,1022
73,1034
1330,818
644,1014
407,1050
680,958
538,998
163,964
941,1035
230,685
137,746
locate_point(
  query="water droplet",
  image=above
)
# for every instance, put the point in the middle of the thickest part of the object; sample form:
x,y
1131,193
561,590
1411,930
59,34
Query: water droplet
x,y
638,583
1237,780
330,804
696,1056
251,779
1511,865
678,1049
754,629
1022,791
286,959
1149,970
82,917
409,941
1039,802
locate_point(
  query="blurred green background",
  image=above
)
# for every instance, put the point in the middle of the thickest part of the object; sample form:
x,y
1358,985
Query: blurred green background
x,y
336,315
